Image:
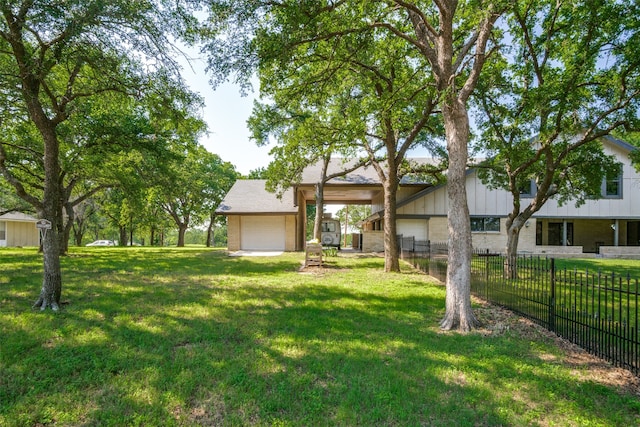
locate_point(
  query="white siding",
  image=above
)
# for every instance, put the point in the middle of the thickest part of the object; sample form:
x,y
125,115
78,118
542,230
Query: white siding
x,y
417,228
486,202
627,207
406,192
377,204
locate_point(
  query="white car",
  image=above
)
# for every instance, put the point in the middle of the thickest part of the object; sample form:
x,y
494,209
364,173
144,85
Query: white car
x,y
101,243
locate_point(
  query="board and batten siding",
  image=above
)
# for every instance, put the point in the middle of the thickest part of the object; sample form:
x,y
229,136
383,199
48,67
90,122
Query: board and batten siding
x,y
626,207
19,233
487,202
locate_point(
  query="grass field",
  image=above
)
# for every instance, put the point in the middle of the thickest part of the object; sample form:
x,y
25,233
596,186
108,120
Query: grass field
x,y
192,337
621,267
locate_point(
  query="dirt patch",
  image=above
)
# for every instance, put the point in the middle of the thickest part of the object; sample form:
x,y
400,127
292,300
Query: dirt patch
x,y
325,268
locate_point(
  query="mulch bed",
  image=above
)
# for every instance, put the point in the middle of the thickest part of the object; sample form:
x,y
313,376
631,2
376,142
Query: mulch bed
x,y
498,321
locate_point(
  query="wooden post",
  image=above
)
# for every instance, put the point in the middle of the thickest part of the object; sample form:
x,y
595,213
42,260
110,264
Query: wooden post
x,y
313,255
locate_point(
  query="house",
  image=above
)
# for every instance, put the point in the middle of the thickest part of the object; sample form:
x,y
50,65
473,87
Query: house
x,y
258,220
18,229
609,226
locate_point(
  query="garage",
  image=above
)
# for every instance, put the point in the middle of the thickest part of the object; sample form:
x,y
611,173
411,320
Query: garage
x,y
262,232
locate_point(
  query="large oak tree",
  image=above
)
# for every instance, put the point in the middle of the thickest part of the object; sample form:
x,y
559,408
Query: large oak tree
x,y
56,55
449,39
570,76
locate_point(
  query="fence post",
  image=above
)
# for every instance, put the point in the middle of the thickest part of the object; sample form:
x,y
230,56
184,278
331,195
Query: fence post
x,y
486,275
552,298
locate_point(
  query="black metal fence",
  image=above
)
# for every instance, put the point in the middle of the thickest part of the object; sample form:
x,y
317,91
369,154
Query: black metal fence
x,y
595,311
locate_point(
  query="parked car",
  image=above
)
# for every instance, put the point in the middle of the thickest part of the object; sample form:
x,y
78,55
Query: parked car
x,y
330,232
102,243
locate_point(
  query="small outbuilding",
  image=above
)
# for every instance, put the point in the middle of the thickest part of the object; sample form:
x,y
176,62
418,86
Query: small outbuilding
x,y
18,229
257,219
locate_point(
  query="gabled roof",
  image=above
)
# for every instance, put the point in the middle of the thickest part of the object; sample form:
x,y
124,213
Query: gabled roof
x,y
363,175
471,169
17,216
623,145
249,196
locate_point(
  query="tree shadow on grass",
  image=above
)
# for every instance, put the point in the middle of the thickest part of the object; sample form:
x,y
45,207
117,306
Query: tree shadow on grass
x,y
194,349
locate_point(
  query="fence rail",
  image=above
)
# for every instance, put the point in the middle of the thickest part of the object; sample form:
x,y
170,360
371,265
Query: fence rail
x,y
595,311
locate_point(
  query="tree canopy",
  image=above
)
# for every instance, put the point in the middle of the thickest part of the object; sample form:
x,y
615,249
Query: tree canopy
x,y
442,45
58,61
568,77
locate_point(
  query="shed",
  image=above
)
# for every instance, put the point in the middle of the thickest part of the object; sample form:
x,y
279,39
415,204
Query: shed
x,y
18,229
257,219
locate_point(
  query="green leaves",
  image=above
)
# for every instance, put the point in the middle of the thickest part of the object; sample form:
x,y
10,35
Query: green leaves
x,y
565,77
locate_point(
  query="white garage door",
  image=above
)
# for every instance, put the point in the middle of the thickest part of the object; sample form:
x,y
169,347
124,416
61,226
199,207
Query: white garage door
x,y
262,233
417,228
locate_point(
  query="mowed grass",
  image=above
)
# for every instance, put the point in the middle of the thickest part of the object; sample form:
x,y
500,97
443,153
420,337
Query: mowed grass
x,y
606,266
194,337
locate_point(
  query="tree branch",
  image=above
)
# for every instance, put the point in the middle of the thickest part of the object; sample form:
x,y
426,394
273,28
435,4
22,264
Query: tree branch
x,y
20,190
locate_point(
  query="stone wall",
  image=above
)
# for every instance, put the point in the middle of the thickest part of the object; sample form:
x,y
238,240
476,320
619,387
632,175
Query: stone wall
x,y
373,241
627,252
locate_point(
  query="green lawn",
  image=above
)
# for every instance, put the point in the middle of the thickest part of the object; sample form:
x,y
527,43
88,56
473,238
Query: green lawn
x,y
622,267
193,337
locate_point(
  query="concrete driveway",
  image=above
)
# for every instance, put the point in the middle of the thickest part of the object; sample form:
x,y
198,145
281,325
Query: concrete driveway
x,y
256,253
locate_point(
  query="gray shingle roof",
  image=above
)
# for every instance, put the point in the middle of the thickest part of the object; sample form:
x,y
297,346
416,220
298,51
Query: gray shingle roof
x,y
249,196
17,216
362,175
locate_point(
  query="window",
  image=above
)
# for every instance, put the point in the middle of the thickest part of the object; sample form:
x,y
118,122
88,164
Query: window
x,y
555,234
3,230
528,189
612,187
485,224
329,227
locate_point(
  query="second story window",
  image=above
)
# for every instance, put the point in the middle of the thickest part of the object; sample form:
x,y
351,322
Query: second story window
x,y
528,189
612,186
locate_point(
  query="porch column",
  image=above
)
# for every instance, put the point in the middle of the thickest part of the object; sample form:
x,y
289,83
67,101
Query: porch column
x,y
616,232
564,232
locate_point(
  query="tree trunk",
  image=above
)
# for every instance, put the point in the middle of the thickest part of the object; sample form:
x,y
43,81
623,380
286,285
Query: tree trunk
x,y
78,228
458,282
317,230
391,262
77,237
511,251
209,237
122,231
210,231
131,233
182,229
52,278
64,237
52,211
